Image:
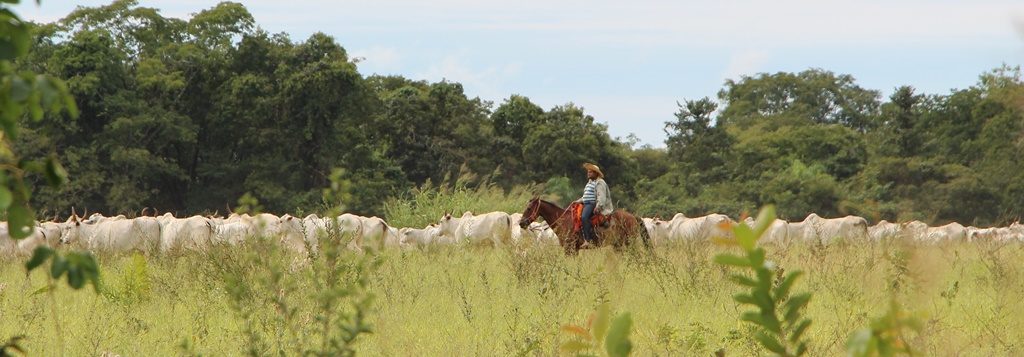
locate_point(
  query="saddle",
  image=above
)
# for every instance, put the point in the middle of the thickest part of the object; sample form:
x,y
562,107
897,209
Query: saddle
x,y
597,220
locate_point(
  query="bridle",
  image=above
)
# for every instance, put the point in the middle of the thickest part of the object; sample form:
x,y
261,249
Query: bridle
x,y
536,208
533,215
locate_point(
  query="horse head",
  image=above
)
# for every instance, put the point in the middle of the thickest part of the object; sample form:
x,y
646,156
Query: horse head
x,y
530,213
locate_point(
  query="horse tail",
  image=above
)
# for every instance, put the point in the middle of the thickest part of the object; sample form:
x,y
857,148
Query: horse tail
x,y
645,236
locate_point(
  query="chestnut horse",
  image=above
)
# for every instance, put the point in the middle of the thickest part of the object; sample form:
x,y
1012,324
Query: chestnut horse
x,y
623,229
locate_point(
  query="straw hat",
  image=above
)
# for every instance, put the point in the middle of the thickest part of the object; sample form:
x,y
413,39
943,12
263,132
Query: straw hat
x,y
594,168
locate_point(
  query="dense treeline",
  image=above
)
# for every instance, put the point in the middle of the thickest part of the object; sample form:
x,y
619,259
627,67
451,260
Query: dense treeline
x,y
190,115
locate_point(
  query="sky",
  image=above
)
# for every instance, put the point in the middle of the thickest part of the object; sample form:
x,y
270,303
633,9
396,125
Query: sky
x,y
629,63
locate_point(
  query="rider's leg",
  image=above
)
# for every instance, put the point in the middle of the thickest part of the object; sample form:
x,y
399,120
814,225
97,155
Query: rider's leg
x,y
588,228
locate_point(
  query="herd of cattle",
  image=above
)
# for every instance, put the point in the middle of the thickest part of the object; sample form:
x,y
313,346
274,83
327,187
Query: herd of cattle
x,y
166,233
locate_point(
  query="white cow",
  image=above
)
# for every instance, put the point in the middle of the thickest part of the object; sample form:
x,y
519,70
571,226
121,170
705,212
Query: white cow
x,y
376,232
233,232
98,217
392,237
292,234
884,230
994,234
192,233
541,233
661,231
421,238
951,232
777,232
44,234
700,228
914,230
363,231
114,235
815,228
25,246
493,227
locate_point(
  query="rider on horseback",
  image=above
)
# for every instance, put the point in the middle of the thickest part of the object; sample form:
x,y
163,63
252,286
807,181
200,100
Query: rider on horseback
x,y
595,196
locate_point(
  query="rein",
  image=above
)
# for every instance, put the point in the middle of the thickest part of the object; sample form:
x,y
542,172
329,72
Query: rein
x,y
536,209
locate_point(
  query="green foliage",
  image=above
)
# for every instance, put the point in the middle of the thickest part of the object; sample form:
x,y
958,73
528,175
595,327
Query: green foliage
x,y
602,333
79,267
271,301
428,203
24,93
886,336
132,284
779,321
11,346
801,189
698,146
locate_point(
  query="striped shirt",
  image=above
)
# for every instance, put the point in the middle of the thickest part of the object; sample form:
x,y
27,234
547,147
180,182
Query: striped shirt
x,y
590,192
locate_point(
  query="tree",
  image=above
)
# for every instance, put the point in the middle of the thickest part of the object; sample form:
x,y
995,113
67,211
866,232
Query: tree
x,y
696,145
898,122
817,95
512,122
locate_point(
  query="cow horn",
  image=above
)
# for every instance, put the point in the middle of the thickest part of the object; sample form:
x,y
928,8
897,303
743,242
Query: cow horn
x,y
143,213
73,214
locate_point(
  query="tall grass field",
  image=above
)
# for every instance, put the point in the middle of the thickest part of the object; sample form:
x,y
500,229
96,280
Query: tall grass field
x,y
481,300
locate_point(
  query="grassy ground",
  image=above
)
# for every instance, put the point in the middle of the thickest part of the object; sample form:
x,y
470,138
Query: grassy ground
x,y
487,301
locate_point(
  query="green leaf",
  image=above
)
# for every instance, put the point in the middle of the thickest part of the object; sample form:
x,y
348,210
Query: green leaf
x,y
602,317
20,89
756,257
19,218
764,281
744,236
39,256
8,120
767,321
770,343
5,197
744,298
799,330
753,317
763,300
75,277
35,110
82,268
765,218
55,173
802,349
793,306
743,280
783,289
729,259
58,266
617,342
69,101
48,93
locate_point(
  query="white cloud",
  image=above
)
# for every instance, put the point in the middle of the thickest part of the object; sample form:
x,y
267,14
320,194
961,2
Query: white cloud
x,y
642,115
378,59
486,82
744,63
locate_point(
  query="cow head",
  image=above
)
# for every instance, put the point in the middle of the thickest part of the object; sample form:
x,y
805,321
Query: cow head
x,y
69,233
